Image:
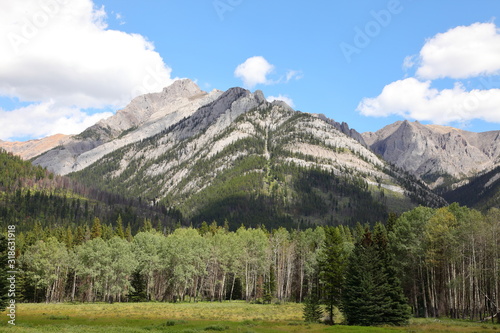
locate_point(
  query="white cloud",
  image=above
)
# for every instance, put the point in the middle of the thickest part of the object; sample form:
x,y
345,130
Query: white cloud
x,y
408,62
254,71
293,75
415,99
43,119
461,52
60,52
283,98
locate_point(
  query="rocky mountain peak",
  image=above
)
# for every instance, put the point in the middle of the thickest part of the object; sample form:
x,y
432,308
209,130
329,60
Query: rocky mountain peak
x,y
182,88
435,152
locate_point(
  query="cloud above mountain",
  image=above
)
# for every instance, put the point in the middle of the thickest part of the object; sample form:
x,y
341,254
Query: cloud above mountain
x,y
257,70
461,52
60,56
464,52
415,99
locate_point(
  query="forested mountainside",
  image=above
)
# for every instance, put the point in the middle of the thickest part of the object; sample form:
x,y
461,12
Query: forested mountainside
x,y
481,192
32,198
245,160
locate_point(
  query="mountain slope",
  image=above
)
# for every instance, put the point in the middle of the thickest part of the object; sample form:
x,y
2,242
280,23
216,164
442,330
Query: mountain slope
x,y
437,154
32,148
249,161
31,197
486,190
145,116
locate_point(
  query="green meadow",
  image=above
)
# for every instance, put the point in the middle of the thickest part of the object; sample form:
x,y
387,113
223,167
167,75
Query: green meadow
x,y
198,317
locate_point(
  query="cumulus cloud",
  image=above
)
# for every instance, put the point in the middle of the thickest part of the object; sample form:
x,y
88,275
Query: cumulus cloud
x,y
254,71
60,53
461,52
283,98
415,99
43,119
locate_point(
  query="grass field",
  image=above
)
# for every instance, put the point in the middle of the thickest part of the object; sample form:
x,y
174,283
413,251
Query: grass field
x,y
197,317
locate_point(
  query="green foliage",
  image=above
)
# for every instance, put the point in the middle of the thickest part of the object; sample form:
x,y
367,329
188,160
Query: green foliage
x,y
370,296
96,230
332,263
312,309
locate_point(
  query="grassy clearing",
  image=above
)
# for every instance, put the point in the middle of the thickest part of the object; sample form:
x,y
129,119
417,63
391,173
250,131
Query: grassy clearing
x,y
197,317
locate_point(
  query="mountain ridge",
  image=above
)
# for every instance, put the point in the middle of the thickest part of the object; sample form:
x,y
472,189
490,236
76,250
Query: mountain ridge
x,y
434,152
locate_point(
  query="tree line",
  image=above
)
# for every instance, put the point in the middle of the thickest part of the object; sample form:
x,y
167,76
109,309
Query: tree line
x,y
436,262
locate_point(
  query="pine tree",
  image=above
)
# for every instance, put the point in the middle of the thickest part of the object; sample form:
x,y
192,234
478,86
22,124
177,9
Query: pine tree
x,y
128,233
312,310
397,311
146,226
363,296
138,284
332,269
373,295
96,230
119,228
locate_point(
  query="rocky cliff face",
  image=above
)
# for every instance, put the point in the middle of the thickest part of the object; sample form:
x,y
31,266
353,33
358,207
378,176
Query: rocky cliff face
x,y
437,154
144,117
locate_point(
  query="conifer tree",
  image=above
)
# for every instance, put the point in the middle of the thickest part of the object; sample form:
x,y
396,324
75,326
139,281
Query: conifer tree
x,y
363,296
312,308
373,295
128,233
119,228
397,311
96,230
332,269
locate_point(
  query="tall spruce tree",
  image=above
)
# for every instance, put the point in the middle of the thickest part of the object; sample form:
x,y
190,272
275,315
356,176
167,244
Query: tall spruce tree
x,y
397,310
119,227
96,231
332,265
371,295
312,309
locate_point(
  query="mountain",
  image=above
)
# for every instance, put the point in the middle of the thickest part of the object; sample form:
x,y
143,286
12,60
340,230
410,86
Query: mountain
x,y
233,155
439,155
32,148
485,187
144,117
32,198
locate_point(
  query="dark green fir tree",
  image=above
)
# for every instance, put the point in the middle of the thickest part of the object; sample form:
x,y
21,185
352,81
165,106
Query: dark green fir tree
x,y
332,266
312,309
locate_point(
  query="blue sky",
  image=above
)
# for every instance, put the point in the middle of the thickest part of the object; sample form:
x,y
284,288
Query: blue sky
x,y
338,56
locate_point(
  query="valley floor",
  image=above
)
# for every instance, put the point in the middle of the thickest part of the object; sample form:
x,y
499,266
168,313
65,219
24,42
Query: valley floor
x,y
197,317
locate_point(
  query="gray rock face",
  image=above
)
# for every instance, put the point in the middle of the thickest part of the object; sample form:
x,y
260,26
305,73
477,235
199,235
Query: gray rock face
x,y
344,128
144,117
430,151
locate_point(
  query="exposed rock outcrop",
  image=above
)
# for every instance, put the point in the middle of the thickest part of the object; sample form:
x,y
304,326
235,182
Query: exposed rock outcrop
x,y
432,151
